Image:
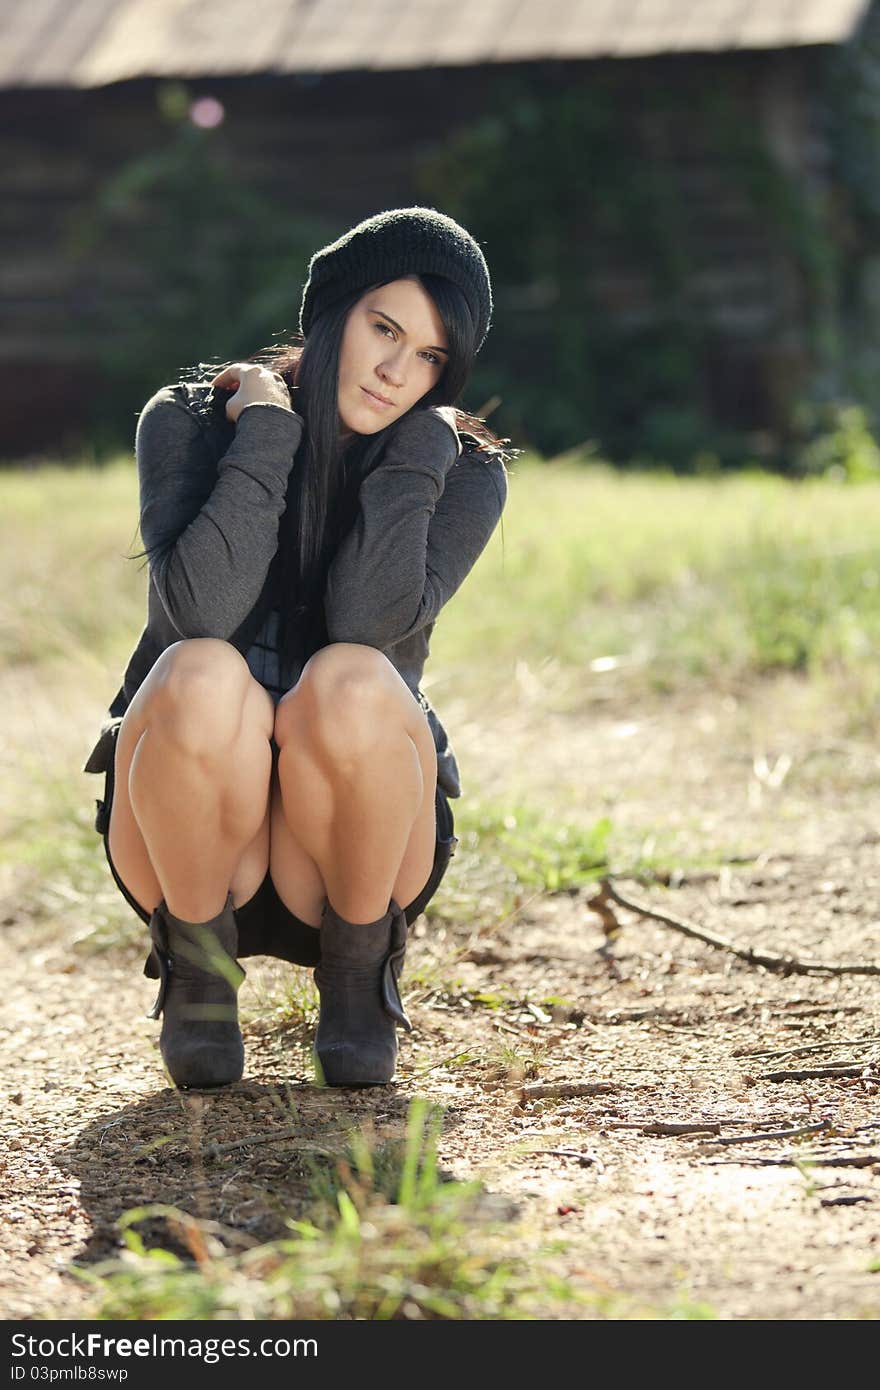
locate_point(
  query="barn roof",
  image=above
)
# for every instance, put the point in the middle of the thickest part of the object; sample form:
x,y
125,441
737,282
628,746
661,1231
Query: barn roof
x,y
88,43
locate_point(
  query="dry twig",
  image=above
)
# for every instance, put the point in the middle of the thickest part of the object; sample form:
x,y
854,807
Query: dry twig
x,y
586,1160
835,1161
673,1128
823,1125
566,1090
808,1047
822,1009
786,965
848,1201
816,1073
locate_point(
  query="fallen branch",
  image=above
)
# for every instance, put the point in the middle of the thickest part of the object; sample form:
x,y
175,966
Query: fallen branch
x,y
849,1201
567,1090
671,1127
786,965
819,1128
653,1011
822,1009
808,1047
836,1161
584,1159
816,1073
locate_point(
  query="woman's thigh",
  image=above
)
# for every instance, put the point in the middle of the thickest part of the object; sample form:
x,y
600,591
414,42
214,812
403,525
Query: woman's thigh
x,y
266,925
126,844
295,874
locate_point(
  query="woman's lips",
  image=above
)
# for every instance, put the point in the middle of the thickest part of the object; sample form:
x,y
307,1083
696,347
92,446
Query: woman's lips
x,y
375,400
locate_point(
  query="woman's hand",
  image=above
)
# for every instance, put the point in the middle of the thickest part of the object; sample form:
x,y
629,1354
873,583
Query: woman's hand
x,y
252,384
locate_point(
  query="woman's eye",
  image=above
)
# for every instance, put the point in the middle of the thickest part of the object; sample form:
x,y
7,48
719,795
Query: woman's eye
x,y
389,332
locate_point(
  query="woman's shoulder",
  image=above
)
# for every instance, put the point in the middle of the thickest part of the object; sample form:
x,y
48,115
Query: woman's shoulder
x,y
198,399
478,456
180,426
188,415
481,446
483,465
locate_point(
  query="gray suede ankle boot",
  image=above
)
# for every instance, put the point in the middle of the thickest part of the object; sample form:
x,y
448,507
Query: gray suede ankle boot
x,y
201,1042
356,1041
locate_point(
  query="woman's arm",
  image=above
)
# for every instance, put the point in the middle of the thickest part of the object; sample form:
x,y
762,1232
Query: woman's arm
x,y
423,520
209,554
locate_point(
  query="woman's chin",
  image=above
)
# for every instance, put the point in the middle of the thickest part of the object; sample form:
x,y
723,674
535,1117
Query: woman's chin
x,y
363,423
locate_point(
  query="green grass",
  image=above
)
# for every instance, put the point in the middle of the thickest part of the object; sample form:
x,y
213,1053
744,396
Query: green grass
x,y
388,1236
647,581
669,579
70,595
665,581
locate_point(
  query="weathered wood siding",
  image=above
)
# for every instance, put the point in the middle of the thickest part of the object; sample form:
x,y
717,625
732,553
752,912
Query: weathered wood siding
x,y
344,146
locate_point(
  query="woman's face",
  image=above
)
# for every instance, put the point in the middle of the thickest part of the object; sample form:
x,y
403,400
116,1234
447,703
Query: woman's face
x,y
394,350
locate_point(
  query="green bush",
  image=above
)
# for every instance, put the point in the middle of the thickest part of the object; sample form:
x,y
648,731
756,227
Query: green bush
x,y
212,266
840,444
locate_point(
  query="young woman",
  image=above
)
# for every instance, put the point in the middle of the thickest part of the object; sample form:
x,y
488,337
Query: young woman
x,y
275,780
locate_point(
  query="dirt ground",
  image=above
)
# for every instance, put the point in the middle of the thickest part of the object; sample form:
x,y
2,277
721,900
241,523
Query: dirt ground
x,y
669,1032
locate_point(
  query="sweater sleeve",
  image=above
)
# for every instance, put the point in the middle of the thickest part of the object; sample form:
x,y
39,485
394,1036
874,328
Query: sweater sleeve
x,y
211,540
423,520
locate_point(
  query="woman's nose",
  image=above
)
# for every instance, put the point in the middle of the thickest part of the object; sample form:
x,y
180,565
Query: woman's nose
x,y
391,370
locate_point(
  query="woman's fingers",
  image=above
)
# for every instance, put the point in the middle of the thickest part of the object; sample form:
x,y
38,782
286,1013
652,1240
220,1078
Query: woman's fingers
x,y
250,384
227,379
231,376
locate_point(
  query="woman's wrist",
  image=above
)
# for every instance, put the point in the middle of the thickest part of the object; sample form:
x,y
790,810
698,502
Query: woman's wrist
x,y
272,420
432,432
270,405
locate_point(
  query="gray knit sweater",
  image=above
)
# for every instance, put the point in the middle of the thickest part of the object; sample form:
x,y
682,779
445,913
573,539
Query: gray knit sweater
x,y
212,497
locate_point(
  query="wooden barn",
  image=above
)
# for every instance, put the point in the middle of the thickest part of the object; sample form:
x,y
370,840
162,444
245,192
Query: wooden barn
x,y
323,112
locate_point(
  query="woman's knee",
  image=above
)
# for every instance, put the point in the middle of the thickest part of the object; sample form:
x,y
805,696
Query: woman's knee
x,y
202,693
344,700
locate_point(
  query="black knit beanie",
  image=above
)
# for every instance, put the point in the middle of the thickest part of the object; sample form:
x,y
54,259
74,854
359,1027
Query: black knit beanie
x,y
404,241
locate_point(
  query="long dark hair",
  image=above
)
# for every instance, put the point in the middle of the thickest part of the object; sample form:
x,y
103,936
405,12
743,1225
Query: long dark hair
x,y
323,488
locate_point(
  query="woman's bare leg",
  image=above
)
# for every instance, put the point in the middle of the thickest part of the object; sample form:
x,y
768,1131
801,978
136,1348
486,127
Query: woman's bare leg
x,y
357,771
190,816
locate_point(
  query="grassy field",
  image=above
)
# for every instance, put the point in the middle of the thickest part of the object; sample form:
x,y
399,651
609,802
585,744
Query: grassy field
x,y
659,584
675,578
664,585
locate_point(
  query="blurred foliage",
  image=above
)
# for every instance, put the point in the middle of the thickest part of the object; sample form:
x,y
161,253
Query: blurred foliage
x,y
565,182
839,443
210,265
854,128
581,199
543,184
